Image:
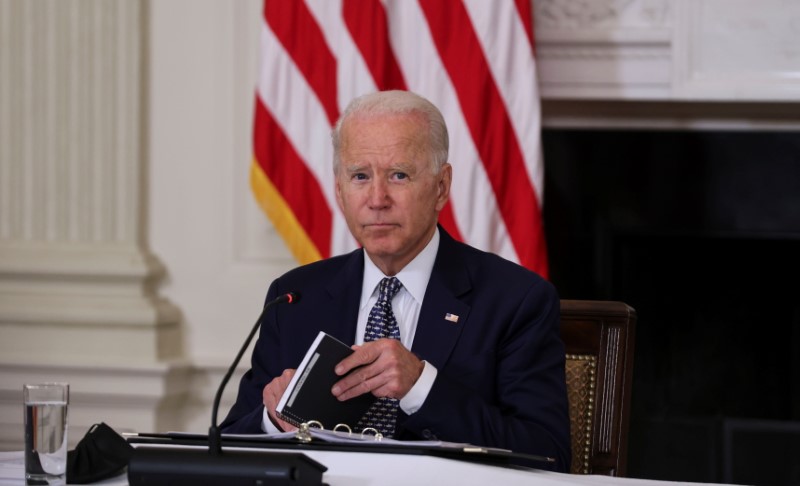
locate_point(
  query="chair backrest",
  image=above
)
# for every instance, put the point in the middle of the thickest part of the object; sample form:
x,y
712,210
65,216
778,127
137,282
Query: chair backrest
x,y
599,341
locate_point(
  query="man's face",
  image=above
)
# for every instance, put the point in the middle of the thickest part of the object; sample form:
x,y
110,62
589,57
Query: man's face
x,y
386,188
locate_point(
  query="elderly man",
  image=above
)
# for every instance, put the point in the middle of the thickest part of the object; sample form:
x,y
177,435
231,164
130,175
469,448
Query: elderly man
x,y
460,345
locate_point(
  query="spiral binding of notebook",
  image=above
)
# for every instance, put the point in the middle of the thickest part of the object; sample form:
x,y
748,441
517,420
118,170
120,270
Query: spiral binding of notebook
x,y
305,433
312,432
304,426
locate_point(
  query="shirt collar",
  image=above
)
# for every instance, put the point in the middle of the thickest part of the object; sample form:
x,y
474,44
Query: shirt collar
x,y
414,276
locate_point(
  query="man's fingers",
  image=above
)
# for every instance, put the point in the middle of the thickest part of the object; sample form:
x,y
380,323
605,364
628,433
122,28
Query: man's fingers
x,y
362,355
272,395
383,367
360,381
357,379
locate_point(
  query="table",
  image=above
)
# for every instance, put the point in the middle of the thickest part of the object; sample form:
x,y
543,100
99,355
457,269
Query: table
x,y
367,469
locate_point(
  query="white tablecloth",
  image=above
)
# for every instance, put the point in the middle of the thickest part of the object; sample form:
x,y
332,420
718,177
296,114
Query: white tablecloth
x,y
366,469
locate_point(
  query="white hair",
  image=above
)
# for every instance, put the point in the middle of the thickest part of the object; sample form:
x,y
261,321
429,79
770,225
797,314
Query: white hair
x,y
397,102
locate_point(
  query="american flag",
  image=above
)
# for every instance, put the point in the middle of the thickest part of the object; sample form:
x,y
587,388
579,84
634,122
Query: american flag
x,y
473,59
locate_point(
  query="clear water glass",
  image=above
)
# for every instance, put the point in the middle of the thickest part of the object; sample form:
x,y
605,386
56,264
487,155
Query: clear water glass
x,y
46,433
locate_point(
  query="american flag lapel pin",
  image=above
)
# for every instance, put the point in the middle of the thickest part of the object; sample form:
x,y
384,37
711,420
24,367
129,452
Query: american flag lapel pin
x,y
451,317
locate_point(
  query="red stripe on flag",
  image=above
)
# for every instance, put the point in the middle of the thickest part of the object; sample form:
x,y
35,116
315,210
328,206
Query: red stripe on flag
x,y
366,21
283,166
301,36
490,126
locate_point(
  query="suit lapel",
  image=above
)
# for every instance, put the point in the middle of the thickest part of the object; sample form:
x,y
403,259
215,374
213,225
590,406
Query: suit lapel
x,y
436,335
344,290
443,314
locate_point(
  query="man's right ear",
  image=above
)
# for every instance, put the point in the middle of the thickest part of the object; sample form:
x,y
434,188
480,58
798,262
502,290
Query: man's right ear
x,y
338,190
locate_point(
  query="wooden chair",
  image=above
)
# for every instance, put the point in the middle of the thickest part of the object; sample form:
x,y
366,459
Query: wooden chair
x,y
599,341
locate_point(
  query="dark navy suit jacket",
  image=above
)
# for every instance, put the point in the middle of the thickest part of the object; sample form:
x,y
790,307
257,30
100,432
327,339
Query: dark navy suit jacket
x,y
500,379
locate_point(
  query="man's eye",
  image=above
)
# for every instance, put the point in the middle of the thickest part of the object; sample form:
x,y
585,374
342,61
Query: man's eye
x,y
360,177
400,175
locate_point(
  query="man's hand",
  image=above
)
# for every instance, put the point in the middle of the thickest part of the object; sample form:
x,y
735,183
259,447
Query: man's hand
x,y
272,395
387,369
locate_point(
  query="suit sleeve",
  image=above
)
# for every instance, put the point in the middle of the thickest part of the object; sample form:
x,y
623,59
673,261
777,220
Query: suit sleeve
x,y
527,411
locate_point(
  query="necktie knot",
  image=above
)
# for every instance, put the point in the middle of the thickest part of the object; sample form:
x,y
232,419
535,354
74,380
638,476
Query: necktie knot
x,y
388,288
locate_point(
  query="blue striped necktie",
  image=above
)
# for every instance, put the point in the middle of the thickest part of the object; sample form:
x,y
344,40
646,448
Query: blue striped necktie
x,y
381,323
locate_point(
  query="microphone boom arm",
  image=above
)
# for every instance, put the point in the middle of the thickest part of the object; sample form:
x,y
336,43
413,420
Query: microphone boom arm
x,y
214,434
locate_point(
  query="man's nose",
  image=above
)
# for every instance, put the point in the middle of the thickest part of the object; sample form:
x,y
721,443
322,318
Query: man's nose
x,y
378,194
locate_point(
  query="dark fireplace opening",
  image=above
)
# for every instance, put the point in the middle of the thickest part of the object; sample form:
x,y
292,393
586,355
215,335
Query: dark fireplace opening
x,y
699,231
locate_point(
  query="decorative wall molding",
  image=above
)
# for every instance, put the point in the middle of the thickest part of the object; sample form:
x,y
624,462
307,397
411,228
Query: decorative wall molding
x,y
582,14
71,213
128,397
737,50
603,53
671,115
71,139
679,50
610,49
78,299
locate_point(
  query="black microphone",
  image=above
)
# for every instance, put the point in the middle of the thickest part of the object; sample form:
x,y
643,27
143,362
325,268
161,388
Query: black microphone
x,y
174,466
214,435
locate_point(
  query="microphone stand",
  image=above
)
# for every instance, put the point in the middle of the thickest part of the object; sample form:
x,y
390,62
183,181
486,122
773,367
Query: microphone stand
x,y
169,465
214,435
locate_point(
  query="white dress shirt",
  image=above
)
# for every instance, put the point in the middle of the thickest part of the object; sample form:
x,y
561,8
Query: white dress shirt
x,y
406,305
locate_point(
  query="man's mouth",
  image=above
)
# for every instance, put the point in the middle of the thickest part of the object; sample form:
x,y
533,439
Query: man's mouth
x,y
380,225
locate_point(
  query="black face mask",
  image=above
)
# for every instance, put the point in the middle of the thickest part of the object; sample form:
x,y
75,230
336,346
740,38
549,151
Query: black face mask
x,y
101,454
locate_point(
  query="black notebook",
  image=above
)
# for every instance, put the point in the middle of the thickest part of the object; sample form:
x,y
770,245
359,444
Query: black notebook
x,y
308,396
